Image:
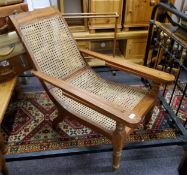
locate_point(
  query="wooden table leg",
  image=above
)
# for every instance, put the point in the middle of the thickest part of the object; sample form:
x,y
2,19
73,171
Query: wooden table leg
x,y
3,167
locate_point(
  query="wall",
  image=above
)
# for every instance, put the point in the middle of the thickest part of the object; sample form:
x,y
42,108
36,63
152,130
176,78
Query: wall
x,y
178,3
34,4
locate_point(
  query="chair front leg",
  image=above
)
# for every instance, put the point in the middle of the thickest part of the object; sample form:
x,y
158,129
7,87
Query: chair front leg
x,y
118,141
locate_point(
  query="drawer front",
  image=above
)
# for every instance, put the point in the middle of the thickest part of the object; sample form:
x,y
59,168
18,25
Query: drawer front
x,y
83,44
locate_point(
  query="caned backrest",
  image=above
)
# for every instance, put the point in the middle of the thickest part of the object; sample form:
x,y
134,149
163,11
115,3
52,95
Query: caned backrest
x,y
53,49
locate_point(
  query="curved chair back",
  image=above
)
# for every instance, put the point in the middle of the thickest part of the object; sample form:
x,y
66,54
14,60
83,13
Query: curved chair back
x,y
51,45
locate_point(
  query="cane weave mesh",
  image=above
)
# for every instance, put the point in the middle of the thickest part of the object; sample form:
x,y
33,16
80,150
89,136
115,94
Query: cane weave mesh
x,y
123,96
83,111
56,54
119,95
53,47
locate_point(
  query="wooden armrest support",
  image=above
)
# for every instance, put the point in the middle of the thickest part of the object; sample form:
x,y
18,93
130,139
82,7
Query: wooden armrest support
x,y
91,100
127,66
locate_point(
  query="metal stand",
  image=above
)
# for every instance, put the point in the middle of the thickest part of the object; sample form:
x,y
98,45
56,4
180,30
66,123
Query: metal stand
x,y
167,50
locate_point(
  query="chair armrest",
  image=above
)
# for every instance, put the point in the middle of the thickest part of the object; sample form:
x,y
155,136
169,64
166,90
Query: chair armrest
x,y
91,100
136,69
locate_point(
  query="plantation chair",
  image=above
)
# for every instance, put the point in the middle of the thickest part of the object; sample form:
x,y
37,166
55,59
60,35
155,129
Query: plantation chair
x,y
112,109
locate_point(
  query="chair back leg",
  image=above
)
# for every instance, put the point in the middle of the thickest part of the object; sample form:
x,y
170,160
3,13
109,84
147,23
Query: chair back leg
x,y
61,115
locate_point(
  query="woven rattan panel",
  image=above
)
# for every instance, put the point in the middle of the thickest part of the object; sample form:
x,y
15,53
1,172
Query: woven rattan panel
x,y
84,112
119,95
123,96
54,50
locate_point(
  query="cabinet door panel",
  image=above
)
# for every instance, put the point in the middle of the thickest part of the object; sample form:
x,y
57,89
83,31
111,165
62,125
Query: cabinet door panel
x,y
135,48
138,12
105,6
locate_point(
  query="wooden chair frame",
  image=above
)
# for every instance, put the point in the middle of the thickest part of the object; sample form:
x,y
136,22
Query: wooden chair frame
x,y
125,122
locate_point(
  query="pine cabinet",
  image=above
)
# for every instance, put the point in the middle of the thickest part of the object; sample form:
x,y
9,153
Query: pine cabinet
x,y
134,49
83,44
105,6
138,12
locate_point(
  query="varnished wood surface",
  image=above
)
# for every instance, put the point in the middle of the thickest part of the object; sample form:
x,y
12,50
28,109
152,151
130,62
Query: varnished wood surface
x,y
110,35
135,48
6,89
134,12
34,15
8,10
139,70
103,6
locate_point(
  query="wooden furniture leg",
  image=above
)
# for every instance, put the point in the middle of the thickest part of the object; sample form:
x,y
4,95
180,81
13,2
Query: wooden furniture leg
x,y
147,118
3,168
154,92
61,115
118,140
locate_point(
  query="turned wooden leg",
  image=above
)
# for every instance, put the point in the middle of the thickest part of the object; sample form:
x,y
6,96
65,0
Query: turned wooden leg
x,y
118,140
61,114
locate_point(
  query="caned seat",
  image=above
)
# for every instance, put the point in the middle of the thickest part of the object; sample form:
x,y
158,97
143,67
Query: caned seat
x,y
110,108
123,96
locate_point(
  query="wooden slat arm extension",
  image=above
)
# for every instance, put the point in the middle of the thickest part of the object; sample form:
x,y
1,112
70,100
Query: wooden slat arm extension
x,y
136,69
91,100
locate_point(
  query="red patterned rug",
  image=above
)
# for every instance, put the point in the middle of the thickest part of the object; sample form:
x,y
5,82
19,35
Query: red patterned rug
x,y
28,126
